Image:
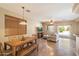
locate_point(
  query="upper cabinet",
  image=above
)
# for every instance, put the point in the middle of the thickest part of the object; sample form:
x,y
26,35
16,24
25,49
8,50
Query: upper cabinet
x,y
13,26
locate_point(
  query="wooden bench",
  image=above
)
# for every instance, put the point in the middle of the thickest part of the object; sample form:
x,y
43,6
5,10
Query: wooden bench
x,y
26,51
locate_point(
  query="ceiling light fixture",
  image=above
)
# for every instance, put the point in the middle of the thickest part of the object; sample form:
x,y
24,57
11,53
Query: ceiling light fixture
x,y
51,21
23,22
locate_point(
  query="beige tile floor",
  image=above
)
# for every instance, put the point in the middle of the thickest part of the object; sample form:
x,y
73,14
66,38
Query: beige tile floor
x,y
63,47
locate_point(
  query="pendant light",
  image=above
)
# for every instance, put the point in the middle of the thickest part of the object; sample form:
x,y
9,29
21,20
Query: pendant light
x,y
23,22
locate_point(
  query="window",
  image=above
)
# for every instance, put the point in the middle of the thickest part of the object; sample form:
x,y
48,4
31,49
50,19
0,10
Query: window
x,y
12,26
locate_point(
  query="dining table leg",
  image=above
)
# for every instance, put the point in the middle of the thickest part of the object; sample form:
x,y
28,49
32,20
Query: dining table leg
x,y
5,46
14,51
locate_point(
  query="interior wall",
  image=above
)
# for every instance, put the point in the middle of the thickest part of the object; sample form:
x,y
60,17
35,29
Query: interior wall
x,y
31,25
74,26
46,24
3,12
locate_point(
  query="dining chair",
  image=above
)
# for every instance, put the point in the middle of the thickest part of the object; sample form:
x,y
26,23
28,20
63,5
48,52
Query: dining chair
x,y
4,52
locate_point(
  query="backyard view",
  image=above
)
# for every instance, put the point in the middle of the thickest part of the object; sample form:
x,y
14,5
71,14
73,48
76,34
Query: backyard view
x,y
64,31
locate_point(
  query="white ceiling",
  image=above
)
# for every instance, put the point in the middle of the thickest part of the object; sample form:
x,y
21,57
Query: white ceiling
x,y
43,11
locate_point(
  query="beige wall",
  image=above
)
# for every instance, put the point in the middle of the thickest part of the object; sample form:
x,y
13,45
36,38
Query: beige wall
x,y
2,24
76,26
31,24
74,29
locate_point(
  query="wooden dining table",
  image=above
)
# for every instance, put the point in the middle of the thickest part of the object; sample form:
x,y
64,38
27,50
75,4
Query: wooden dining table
x,y
17,43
